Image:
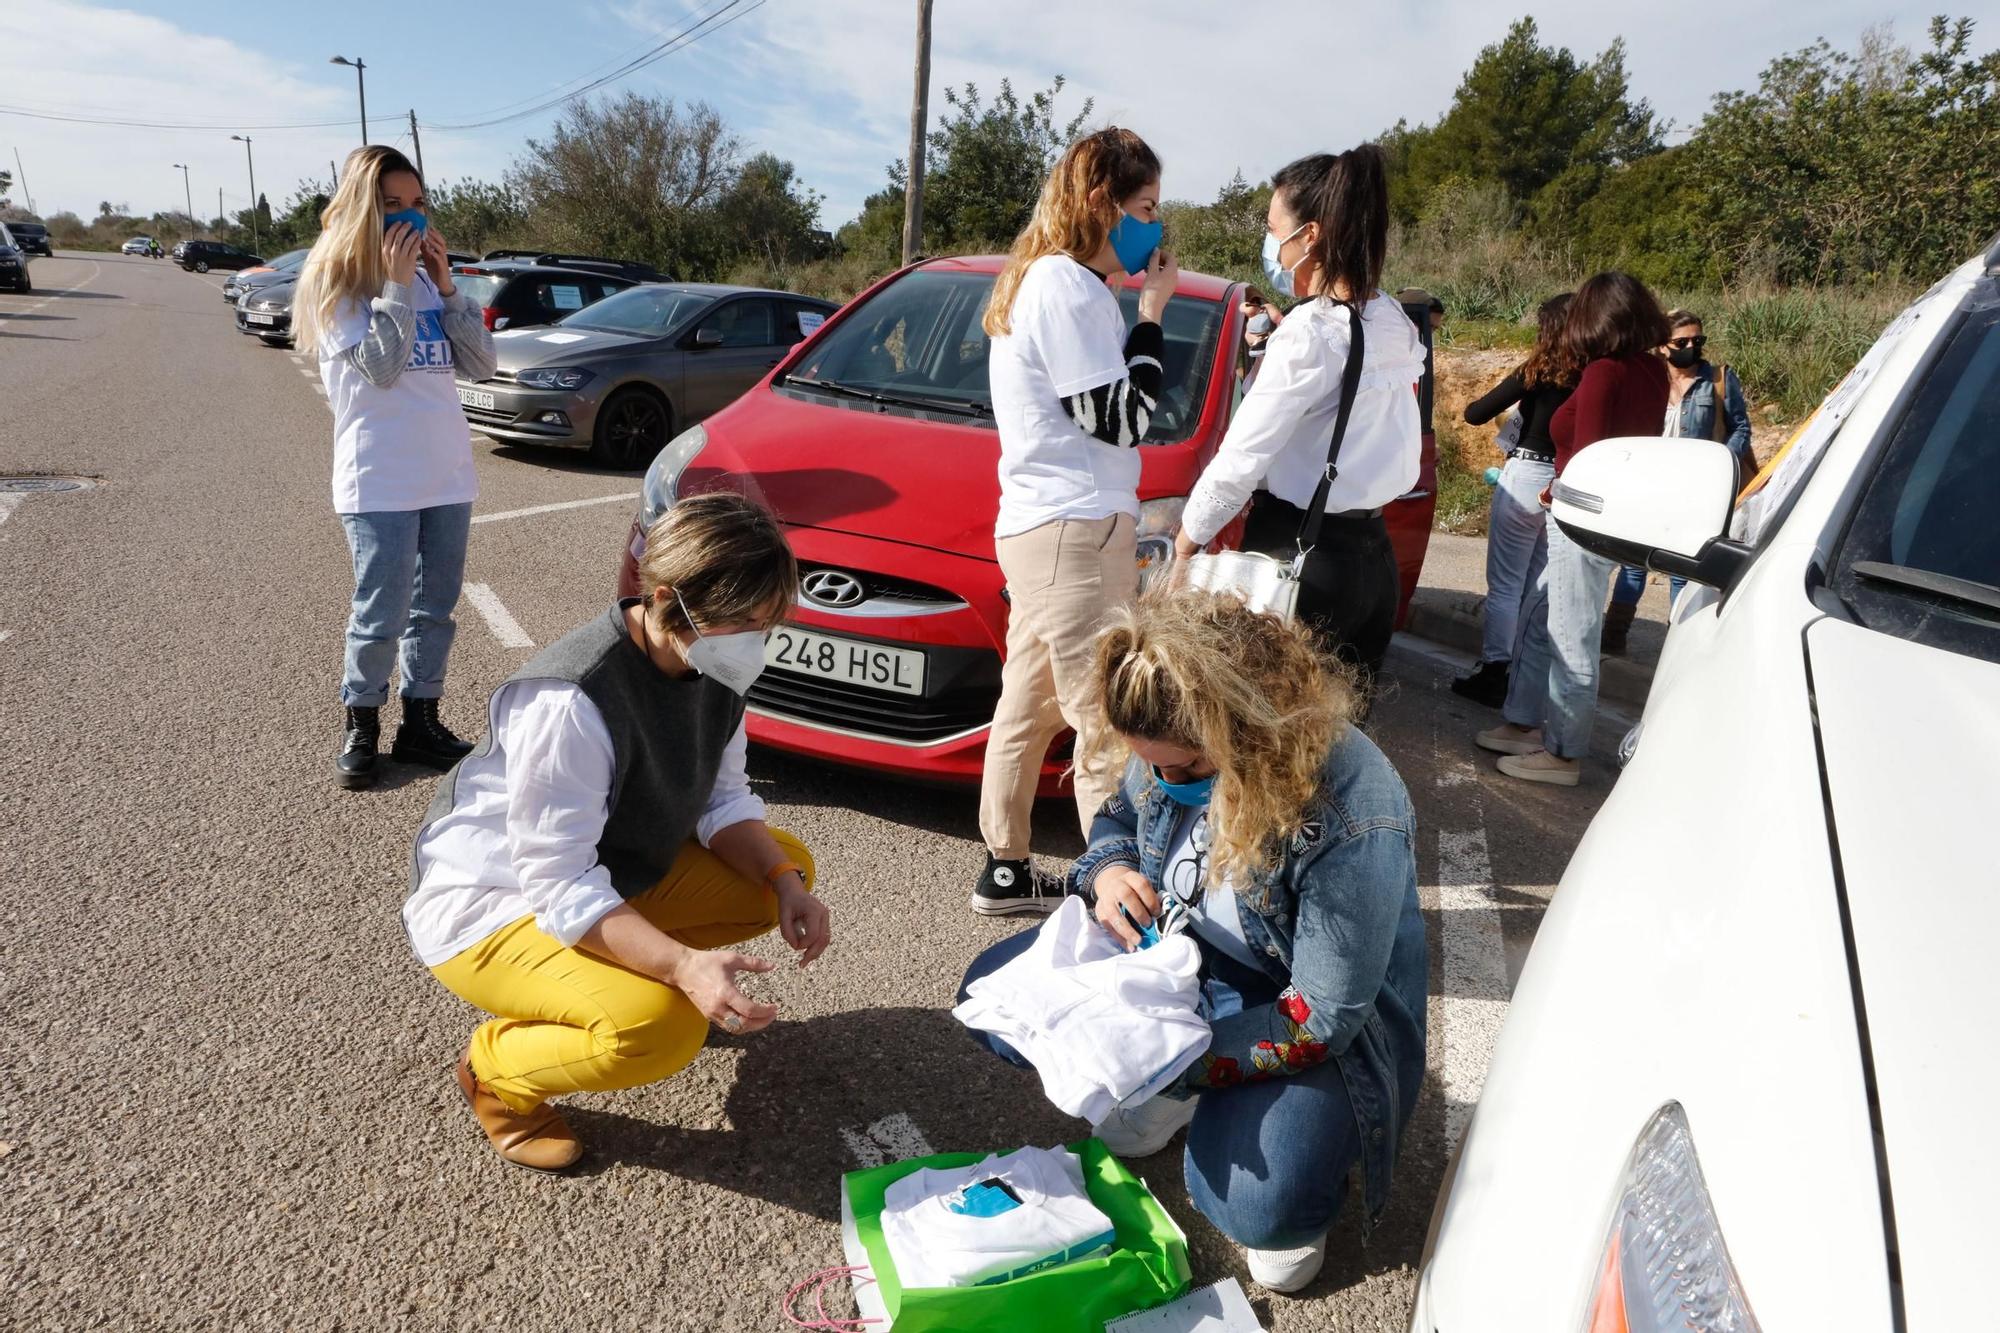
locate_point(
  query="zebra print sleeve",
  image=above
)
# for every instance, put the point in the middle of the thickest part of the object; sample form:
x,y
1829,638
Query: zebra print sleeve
x,y
1119,413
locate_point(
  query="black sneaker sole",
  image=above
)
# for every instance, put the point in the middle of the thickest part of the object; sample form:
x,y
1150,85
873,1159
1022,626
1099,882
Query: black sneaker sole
x,y
423,758
1014,906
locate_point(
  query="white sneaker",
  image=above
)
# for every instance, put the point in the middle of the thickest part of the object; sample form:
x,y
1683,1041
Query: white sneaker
x,y
1510,739
1541,766
1286,1271
1142,1130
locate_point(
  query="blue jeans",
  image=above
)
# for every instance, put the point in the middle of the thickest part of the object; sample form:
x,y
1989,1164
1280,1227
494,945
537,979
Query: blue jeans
x,y
1554,682
1630,586
1515,552
408,565
1266,1162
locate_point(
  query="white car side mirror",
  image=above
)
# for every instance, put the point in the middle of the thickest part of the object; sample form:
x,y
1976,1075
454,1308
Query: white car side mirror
x,y
1661,503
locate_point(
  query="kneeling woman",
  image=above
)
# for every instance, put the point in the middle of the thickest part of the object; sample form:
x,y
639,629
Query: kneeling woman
x,y
1288,843
582,873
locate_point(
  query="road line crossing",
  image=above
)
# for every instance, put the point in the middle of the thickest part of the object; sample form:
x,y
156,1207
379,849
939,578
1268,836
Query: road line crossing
x,y
498,618
1474,990
893,1138
552,508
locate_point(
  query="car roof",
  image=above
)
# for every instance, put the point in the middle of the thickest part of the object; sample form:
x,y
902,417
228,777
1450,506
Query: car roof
x,y
510,268
1201,286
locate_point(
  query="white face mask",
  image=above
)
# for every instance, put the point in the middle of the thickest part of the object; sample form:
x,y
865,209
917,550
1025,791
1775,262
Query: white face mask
x,y
1275,271
734,659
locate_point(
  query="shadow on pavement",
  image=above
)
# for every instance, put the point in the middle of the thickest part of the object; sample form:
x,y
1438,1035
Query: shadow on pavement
x,y
83,296
554,458
38,337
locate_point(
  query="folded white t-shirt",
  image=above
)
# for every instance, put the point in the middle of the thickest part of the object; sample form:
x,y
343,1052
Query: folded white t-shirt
x,y
940,1239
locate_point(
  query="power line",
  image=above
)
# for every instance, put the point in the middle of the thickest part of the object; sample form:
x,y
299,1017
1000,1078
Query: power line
x,y
162,125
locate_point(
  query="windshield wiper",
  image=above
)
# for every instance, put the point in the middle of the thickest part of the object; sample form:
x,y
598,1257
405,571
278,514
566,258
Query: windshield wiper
x,y
961,408
1980,596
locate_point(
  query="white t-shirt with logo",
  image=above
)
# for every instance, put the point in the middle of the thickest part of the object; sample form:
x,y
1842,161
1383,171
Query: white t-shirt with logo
x,y
1068,337
405,446
938,1240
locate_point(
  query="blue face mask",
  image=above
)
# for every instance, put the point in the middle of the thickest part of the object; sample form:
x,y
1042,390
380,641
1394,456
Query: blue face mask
x,y
1187,793
416,219
1275,271
1134,241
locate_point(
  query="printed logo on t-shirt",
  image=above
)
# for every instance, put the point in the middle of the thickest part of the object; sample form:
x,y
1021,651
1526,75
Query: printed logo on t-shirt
x,y
431,350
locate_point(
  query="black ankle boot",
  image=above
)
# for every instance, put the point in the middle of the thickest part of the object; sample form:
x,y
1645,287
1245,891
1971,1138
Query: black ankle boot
x,y
422,738
356,765
1487,685
1617,633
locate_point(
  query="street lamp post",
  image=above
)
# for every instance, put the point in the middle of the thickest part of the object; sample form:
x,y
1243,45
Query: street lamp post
x,y
189,190
361,82
256,243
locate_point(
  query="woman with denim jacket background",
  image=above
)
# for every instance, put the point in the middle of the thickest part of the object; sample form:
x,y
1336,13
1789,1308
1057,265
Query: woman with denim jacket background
x,y
1254,815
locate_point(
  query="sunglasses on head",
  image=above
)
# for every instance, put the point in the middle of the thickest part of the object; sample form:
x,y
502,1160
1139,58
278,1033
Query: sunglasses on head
x,y
1696,341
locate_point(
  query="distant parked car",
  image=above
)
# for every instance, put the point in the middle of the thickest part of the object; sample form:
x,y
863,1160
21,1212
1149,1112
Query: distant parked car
x,y
201,256
624,375
32,237
237,283
266,311
138,245
515,292
13,264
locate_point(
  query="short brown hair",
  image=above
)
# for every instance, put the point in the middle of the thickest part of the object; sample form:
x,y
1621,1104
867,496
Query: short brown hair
x,y
725,556
1680,318
1613,314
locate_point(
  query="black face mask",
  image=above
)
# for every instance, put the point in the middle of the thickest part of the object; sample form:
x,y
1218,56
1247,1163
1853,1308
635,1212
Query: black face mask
x,y
1684,357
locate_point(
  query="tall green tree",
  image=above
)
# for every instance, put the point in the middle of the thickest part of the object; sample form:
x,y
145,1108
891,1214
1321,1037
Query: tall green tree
x,y
986,164
768,215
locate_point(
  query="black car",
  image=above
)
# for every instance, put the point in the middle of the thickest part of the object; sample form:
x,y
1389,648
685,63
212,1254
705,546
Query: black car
x,y
13,264
31,237
522,288
201,256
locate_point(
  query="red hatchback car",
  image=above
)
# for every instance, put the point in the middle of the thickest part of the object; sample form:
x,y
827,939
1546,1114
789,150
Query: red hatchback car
x,y
874,442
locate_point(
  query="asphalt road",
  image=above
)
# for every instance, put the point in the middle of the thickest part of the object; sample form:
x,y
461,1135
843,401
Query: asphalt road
x,y
225,1093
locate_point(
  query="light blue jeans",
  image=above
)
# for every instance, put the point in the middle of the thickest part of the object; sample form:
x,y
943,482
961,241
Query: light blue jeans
x,y
1554,682
408,565
1631,586
1515,552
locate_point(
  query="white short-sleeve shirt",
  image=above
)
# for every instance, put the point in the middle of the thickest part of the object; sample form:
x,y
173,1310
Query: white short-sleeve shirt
x,y
1068,337
405,446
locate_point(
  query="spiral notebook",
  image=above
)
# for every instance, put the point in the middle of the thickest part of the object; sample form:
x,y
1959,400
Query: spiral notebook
x,y
1222,1308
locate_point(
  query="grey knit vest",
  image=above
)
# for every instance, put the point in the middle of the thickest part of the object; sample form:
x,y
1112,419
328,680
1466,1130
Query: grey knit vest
x,y
667,739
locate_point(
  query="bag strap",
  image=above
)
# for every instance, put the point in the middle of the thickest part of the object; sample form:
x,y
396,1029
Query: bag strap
x,y
1350,382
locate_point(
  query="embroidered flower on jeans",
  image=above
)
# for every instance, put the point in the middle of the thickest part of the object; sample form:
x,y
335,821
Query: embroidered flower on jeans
x,y
1293,1006
1220,1071
1269,1058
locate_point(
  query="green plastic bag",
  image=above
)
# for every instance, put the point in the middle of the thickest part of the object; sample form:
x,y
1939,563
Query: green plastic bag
x,y
1149,1266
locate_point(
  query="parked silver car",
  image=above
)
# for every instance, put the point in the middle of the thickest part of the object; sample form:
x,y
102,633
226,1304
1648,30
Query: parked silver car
x,y
624,375
285,266
266,311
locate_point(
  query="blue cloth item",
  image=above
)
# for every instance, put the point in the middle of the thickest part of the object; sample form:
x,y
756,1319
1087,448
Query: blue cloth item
x,y
414,218
1630,586
1193,794
1697,413
989,1198
1553,684
408,567
1516,550
1134,241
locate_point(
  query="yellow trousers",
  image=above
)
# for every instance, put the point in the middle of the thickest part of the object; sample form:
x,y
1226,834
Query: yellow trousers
x,y
571,1021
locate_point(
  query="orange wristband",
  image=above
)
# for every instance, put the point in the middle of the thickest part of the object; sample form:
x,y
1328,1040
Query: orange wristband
x,y
778,871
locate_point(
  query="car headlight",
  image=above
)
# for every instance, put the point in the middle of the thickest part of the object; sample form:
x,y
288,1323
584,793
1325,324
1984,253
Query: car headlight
x,y
1159,520
1665,1266
663,478
556,377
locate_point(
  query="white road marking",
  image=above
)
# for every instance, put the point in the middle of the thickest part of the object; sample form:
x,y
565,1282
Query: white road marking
x,y
893,1138
9,502
1473,996
552,508
95,270
498,618
308,373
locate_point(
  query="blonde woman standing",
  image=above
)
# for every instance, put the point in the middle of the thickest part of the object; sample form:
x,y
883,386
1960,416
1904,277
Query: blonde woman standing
x,y
1073,394
1254,816
583,873
377,302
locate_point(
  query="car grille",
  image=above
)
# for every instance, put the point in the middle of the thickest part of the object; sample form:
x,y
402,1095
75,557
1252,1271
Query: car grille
x,y
896,717
884,586
480,416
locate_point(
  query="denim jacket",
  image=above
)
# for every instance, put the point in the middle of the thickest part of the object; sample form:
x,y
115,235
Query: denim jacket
x,y
1697,417
1336,924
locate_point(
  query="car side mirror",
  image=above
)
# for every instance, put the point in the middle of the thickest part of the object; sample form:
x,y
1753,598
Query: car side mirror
x,y
707,338
1659,503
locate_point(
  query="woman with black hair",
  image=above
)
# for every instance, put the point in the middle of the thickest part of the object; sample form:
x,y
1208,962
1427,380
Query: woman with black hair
x,y
1328,228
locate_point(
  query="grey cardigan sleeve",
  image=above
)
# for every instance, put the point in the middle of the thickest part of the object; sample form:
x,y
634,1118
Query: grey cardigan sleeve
x,y
392,330
471,341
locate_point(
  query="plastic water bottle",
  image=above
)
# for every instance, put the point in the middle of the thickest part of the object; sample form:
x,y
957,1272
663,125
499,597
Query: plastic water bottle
x,y
1493,476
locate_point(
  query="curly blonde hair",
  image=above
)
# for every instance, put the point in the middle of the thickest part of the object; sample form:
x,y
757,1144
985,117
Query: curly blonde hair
x,y
1253,694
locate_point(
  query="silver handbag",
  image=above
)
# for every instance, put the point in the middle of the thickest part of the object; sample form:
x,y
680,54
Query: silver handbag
x,y
1265,582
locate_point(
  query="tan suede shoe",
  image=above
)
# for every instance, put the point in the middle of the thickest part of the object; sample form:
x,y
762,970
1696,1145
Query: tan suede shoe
x,y
1541,766
538,1140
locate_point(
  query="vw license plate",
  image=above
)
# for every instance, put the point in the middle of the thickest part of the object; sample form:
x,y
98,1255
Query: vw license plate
x,y
805,653
474,398
261,319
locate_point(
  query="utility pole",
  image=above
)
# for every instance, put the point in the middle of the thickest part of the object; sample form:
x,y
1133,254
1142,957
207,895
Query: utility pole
x,y
188,190
334,167
255,242
220,218
913,195
416,143
21,175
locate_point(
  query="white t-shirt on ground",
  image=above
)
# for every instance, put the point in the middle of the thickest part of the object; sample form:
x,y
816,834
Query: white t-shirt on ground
x,y
405,446
1068,337
937,1242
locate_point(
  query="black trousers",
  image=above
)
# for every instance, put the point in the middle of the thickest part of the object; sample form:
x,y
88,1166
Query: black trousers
x,y
1350,583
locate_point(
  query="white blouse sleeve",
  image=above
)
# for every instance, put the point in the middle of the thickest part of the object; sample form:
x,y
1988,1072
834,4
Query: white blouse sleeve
x,y
732,801
1293,375
559,768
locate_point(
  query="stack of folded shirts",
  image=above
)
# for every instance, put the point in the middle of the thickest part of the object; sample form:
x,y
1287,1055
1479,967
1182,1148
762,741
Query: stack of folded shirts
x,y
1002,1218
1103,1027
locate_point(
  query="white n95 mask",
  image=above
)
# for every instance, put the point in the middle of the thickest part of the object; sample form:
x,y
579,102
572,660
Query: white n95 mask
x,y
734,659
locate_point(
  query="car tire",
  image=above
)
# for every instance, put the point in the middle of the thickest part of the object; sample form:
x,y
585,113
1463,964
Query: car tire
x,y
201,266
632,426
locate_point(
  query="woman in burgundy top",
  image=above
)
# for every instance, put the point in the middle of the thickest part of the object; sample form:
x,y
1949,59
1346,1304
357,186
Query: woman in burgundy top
x,y
1614,325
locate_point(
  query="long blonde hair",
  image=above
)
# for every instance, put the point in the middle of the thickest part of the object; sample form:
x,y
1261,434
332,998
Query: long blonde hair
x,y
346,261
1251,693
1065,220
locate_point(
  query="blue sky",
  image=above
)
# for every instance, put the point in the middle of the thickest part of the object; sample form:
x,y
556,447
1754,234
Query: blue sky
x,y
1215,87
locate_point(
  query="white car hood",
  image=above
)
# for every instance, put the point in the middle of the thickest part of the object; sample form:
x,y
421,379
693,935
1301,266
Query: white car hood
x,y
1914,777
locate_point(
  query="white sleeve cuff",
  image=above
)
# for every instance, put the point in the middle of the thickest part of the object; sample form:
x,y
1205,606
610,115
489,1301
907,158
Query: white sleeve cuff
x,y
570,917
745,805
395,296
1207,514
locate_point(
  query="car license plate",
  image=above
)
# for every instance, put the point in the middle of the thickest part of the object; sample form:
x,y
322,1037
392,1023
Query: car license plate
x,y
474,398
805,653
261,319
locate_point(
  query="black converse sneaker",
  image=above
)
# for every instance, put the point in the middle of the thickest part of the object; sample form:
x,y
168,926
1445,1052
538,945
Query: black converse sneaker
x,y
1008,888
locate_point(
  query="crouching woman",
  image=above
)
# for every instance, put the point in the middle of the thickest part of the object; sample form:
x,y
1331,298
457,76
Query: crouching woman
x,y
1252,811
582,874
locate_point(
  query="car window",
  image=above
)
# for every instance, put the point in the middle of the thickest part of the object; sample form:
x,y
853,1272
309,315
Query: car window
x,y
746,323
922,335
1921,555
647,310
479,288
798,320
563,296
